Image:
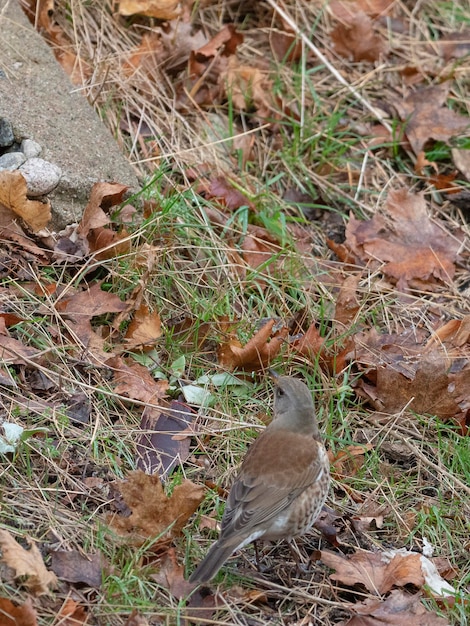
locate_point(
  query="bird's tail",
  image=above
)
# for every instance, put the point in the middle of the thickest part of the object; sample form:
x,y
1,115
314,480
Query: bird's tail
x,y
212,562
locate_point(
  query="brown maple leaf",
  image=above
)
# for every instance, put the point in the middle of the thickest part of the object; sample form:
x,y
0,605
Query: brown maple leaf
x,y
408,246
154,514
28,563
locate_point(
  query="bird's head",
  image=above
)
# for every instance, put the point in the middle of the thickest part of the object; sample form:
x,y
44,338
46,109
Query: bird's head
x,y
293,405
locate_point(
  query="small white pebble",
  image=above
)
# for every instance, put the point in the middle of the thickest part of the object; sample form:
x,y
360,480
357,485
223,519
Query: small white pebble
x,y
30,148
41,176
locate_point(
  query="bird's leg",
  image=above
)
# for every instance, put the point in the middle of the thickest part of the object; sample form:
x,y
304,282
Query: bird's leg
x,y
300,565
255,543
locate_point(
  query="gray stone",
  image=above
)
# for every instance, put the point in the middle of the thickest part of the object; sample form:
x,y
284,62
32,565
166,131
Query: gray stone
x,y
30,148
42,104
11,160
7,136
41,176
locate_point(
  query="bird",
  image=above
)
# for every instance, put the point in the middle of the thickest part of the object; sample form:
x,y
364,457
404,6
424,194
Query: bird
x,y
282,483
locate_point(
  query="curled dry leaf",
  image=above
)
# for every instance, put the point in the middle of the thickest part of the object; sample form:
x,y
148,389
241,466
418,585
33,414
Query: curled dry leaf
x,y
171,576
398,609
28,563
135,619
224,42
349,460
332,358
102,197
379,572
13,195
154,514
258,353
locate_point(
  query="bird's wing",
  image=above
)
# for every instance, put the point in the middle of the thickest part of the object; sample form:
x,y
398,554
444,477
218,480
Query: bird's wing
x,y
275,471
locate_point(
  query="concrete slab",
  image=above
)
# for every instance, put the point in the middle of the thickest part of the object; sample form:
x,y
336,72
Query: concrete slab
x,y
37,97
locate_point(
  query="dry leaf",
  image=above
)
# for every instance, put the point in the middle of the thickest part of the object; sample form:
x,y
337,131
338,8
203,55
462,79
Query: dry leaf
x,y
248,86
28,563
72,614
153,512
135,619
427,118
144,329
409,246
379,572
258,353
357,39
347,303
21,615
89,303
171,576
346,10
349,460
103,196
13,195
164,444
402,370
160,9
227,195
135,381
75,567
224,42
398,609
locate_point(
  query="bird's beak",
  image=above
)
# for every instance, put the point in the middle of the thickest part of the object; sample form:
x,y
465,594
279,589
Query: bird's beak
x,y
273,374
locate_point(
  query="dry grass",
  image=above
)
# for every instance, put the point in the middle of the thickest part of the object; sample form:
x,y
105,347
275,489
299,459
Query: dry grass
x,y
416,473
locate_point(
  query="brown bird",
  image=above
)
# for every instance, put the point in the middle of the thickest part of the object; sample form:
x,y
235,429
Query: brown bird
x,y
282,483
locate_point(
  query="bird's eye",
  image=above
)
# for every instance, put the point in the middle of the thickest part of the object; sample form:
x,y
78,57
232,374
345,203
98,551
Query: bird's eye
x,y
280,392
